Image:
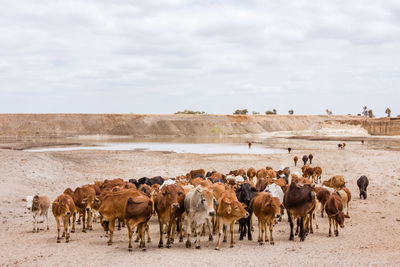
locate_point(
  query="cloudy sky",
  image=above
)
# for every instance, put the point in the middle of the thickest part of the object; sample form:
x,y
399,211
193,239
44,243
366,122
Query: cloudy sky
x,y
215,56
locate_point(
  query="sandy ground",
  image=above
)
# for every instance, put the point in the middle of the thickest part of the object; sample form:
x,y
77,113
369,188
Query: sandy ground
x,y
371,236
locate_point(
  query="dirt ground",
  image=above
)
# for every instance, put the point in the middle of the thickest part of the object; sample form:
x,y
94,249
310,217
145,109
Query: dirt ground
x,y
370,237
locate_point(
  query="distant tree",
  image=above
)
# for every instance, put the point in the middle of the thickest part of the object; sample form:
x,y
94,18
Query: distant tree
x,y
291,112
365,111
328,112
269,112
241,112
274,111
186,111
388,112
370,113
256,113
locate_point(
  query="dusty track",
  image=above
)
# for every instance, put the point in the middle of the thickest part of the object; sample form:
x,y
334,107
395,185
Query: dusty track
x,y
371,235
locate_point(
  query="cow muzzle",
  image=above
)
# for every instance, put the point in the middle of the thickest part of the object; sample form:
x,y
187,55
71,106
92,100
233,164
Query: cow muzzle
x,y
246,215
342,226
175,206
68,213
211,213
87,209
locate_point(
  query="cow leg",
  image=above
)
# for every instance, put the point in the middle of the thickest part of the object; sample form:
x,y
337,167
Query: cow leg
x,y
302,234
336,229
241,230
210,236
137,235
203,232
310,224
260,234
271,238
224,230
171,223
111,228
330,225
119,225
219,235
265,231
73,223
160,243
148,232
34,223
66,220
188,232
200,228
58,230
180,228
47,220
249,237
297,227
291,237
84,221
89,221
251,222
232,230
316,223
142,244
322,210
129,236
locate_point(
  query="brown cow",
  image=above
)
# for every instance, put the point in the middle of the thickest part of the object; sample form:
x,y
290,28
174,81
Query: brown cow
x,y
271,174
322,196
138,211
261,184
84,198
229,210
307,171
261,173
169,205
298,200
295,159
345,196
40,207
337,182
316,174
63,209
193,173
334,209
251,173
113,207
237,172
266,208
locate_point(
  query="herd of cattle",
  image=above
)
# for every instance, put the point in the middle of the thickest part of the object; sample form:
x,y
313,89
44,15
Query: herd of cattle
x,y
199,202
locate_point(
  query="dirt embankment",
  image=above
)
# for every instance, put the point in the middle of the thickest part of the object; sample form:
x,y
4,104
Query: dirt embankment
x,y
65,125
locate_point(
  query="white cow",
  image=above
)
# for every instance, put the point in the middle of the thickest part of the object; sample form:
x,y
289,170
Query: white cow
x,y
199,208
275,191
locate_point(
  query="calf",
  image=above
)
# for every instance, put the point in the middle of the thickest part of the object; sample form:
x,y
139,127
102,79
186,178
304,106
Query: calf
x,y
63,209
229,210
310,157
334,209
316,174
362,184
322,196
40,207
138,210
199,208
298,200
84,198
266,208
245,193
169,205
251,173
345,196
276,191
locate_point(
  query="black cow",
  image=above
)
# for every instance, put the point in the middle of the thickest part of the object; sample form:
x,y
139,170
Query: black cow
x,y
157,180
305,159
289,149
135,182
362,183
298,201
310,157
245,193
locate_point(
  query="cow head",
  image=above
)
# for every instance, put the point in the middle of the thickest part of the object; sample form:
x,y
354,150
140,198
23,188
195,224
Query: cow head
x,y
245,193
90,202
35,204
273,204
339,218
233,208
170,192
207,199
64,206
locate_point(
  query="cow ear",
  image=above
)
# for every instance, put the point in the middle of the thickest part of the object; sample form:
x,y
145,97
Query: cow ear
x,y
244,205
226,201
253,189
97,200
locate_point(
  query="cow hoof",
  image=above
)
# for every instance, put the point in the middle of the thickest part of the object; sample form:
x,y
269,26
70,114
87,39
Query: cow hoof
x,y
72,231
109,243
168,245
48,228
149,241
33,231
241,238
224,240
329,234
58,241
198,247
210,238
130,249
302,239
260,243
231,246
144,249
160,245
181,239
291,238
67,241
272,243
311,231
136,240
316,227
91,228
217,248
188,244
83,230
250,238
